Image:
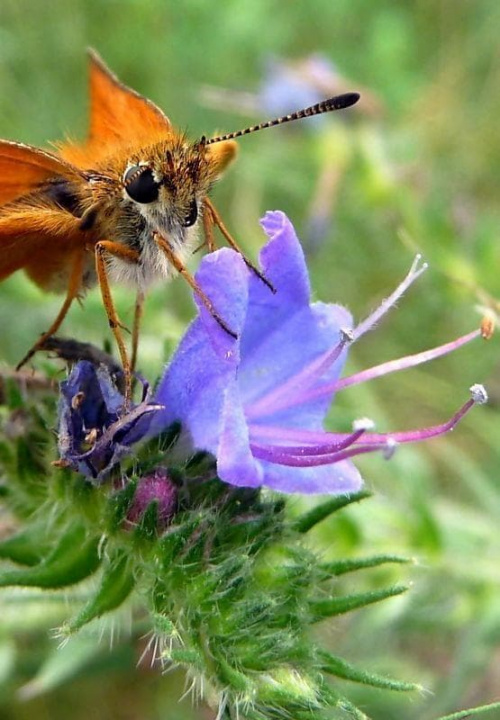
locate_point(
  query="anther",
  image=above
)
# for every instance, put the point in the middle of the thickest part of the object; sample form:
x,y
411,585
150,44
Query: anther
x,y
346,335
363,423
390,448
487,327
478,394
77,400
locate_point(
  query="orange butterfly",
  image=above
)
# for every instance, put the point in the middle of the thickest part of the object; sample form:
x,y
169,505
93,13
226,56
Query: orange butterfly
x,y
124,206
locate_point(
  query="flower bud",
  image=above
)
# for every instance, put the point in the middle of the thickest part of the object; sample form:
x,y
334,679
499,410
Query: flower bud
x,y
154,488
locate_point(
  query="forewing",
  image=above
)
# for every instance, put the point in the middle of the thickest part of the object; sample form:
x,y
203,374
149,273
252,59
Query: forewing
x,y
23,168
119,118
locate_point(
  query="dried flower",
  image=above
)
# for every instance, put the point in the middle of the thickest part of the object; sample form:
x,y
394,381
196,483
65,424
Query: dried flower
x,y
93,436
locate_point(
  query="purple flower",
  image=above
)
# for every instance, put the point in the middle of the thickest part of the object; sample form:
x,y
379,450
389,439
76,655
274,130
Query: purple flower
x,y
289,85
258,403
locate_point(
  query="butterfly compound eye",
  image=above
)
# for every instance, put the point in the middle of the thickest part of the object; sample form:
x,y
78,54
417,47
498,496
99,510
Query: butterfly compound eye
x,y
140,184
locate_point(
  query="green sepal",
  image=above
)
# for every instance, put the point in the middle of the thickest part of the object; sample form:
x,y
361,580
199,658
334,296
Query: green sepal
x,y
289,688
351,711
340,668
147,528
116,585
119,505
177,539
341,567
232,678
320,512
321,609
341,703
74,559
191,658
162,625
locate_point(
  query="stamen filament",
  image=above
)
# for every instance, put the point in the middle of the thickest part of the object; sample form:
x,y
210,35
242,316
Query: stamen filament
x,y
326,449
294,456
414,272
279,397
408,436
404,363
391,366
265,452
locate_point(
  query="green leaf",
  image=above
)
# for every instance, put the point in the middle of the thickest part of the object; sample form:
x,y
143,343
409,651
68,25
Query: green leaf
x,y
75,558
116,585
229,676
63,664
340,567
473,712
339,667
7,660
119,505
311,518
343,704
187,657
26,547
147,528
337,606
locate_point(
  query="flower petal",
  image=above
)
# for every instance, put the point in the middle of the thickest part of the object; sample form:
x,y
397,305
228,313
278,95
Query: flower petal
x,y
342,477
283,263
235,463
224,277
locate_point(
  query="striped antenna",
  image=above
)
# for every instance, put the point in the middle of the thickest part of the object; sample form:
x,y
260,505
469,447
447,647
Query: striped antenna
x,y
339,102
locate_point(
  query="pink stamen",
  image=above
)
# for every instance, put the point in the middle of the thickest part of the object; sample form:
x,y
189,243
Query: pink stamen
x,y
380,439
391,366
405,362
306,450
294,456
413,273
265,452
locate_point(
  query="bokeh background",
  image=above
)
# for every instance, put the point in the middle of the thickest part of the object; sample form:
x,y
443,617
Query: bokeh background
x,y
414,167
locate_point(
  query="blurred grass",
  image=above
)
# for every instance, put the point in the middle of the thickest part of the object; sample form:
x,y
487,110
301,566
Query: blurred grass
x,y
423,174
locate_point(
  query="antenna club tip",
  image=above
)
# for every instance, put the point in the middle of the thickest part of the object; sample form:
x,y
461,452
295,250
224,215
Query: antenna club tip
x,y
346,100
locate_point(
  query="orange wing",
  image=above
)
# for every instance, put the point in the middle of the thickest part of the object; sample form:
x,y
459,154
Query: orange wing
x,y
41,240
119,118
23,168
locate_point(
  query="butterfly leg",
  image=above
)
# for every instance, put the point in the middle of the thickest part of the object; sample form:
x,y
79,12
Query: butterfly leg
x,y
139,305
103,248
182,270
74,285
208,225
210,218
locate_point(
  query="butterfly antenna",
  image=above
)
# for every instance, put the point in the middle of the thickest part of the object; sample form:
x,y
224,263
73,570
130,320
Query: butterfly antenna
x,y
339,102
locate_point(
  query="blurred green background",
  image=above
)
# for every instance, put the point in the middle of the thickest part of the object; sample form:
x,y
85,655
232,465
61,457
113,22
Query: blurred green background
x,y
416,166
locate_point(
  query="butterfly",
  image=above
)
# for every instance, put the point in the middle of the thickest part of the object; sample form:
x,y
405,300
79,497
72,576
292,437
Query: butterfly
x,y
124,206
